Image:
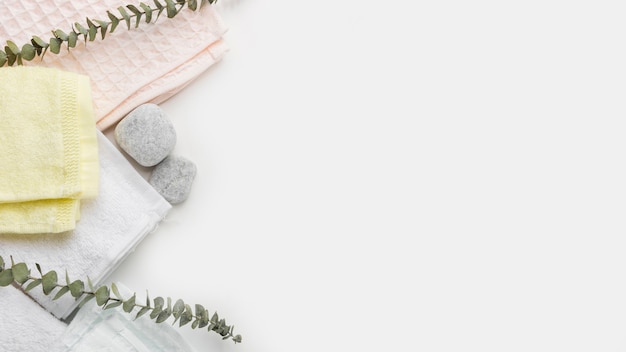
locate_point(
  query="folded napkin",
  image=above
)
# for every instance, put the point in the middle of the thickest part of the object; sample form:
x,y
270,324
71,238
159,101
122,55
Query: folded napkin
x,y
129,67
49,150
25,326
111,225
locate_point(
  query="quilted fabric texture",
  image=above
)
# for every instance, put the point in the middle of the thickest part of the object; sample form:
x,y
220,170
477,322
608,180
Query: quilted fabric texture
x,y
129,67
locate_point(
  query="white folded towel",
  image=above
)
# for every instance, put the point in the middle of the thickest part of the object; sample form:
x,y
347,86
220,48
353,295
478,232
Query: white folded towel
x,y
25,326
125,211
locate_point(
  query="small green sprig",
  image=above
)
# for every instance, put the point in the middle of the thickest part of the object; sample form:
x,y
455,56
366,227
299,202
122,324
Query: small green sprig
x,y
14,54
159,309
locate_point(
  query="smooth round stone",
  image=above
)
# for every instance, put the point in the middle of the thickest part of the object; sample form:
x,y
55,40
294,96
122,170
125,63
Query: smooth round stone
x,y
173,177
146,134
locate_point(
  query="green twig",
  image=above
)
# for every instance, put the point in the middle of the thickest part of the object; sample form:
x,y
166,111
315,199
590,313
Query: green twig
x,y
129,14
159,309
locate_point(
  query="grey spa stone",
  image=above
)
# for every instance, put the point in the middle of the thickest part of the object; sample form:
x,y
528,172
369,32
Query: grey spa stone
x,y
173,177
146,134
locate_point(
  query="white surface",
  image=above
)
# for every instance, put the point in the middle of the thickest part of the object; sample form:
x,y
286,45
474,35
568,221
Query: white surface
x,y
404,176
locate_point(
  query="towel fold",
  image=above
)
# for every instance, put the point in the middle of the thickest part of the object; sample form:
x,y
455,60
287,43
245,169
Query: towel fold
x,y
49,150
25,326
111,225
129,67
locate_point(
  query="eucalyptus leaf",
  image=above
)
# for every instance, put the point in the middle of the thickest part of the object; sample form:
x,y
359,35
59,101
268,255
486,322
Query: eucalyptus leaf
x,y
155,312
142,311
6,277
32,285
20,270
28,52
61,292
76,288
137,14
38,42
115,290
204,318
158,307
147,10
71,41
49,282
1,259
129,304
61,35
179,308
12,47
11,58
104,26
81,29
192,4
187,316
93,29
163,316
113,305
102,295
125,15
55,45
114,20
159,302
171,8
87,298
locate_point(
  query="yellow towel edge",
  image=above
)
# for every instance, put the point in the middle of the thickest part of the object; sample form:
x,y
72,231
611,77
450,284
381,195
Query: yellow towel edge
x,y
90,167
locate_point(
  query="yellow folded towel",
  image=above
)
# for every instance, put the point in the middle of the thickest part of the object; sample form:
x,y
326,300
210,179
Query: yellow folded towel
x,y
49,157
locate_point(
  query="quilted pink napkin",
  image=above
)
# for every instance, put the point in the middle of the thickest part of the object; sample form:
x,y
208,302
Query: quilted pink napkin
x,y
148,64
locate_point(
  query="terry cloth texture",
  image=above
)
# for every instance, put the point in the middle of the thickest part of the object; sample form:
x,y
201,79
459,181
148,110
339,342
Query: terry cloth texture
x,y
111,226
49,150
25,326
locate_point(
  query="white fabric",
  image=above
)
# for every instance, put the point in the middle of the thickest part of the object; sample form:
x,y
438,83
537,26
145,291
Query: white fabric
x,y
25,326
110,227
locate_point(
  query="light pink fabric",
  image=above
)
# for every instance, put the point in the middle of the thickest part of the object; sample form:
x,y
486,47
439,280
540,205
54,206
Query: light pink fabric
x,y
128,67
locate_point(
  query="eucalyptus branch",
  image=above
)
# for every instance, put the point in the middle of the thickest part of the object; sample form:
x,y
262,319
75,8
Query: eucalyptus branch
x,y
160,309
14,54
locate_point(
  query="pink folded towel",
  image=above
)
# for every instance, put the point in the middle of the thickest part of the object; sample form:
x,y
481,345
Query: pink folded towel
x,y
129,67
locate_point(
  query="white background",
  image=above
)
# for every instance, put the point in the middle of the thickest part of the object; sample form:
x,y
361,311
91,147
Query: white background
x,y
403,176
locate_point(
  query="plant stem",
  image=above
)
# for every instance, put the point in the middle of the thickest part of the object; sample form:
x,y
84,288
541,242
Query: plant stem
x,y
14,54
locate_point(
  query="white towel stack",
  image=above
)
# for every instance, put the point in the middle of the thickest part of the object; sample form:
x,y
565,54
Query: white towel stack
x,y
126,210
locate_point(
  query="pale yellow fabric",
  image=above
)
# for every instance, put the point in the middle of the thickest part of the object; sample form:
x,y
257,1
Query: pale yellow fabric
x,y
40,216
89,166
49,149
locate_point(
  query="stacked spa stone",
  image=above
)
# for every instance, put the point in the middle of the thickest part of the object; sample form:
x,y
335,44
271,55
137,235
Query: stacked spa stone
x,y
147,135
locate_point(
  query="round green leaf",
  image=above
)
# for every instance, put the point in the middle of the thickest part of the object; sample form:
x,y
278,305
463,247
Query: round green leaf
x,y
102,295
20,270
129,304
49,282
55,45
38,42
28,52
72,39
76,288
11,48
6,278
